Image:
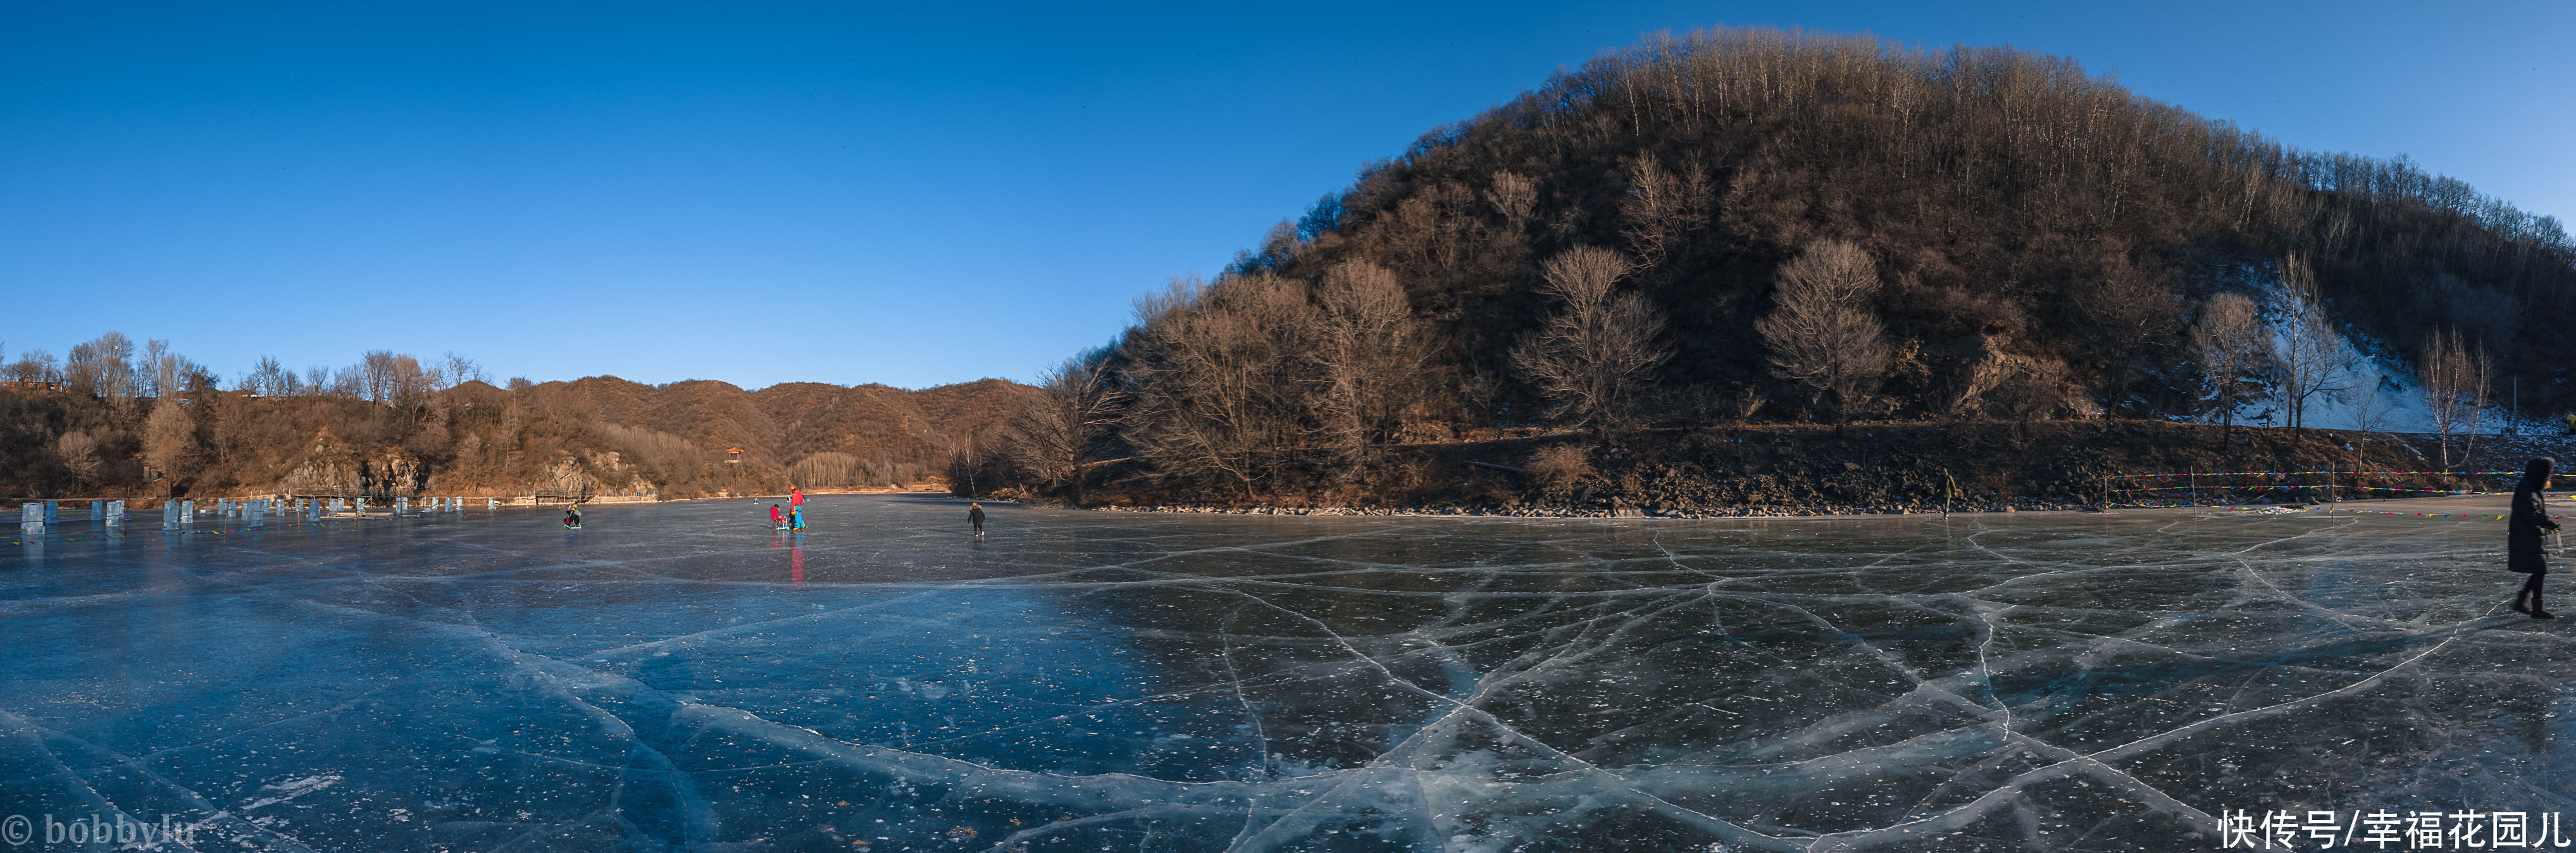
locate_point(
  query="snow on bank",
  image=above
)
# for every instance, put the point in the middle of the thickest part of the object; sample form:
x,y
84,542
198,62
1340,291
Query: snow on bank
x,y
2379,390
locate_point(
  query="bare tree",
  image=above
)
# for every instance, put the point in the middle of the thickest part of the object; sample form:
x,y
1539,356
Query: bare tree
x,y
2235,351
1593,356
1367,352
1213,378
2478,413
1515,197
2452,380
1062,421
454,370
102,366
158,370
2314,365
1224,378
35,365
829,470
2370,412
966,460
1431,231
375,376
1821,330
270,378
393,379
2126,312
1662,206
78,453
169,437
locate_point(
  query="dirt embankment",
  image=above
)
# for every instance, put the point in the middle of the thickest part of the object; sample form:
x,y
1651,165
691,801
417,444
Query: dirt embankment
x,y
1819,470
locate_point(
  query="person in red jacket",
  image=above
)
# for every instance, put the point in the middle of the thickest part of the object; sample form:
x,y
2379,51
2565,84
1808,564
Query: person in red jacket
x,y
776,519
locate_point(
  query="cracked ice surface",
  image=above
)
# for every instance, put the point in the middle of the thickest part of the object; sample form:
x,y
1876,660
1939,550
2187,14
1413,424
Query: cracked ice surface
x,y
678,676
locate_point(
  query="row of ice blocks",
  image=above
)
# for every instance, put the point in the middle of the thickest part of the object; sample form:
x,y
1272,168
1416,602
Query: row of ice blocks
x,y
34,518
402,506
37,517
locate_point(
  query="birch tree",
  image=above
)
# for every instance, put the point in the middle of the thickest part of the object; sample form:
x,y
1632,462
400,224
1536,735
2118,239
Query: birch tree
x,y
2452,380
2313,364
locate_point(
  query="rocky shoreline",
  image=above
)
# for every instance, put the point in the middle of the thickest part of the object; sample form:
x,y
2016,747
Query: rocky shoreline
x,y
1808,471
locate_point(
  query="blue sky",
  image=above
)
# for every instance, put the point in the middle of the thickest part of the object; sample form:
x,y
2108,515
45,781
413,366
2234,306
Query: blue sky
x,y
846,193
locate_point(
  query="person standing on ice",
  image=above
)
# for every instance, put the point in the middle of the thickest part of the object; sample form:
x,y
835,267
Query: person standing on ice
x,y
2522,535
975,516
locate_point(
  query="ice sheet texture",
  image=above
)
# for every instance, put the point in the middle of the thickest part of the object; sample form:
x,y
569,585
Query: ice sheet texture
x,y
682,677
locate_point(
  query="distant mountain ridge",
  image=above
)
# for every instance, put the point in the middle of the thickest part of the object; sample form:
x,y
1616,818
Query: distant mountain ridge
x,y
598,434
889,431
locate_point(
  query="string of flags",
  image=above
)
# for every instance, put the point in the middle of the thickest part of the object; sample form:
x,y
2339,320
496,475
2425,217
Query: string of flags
x,y
2286,473
2353,488
2477,515
2288,487
2487,516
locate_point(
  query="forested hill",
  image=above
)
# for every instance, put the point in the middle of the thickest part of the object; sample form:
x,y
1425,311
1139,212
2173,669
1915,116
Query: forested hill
x,y
388,427
1985,232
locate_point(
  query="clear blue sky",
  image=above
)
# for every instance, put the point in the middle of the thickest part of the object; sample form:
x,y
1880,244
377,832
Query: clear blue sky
x,y
844,193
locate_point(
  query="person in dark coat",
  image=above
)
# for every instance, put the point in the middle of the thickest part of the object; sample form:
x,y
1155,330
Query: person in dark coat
x,y
975,516
2522,535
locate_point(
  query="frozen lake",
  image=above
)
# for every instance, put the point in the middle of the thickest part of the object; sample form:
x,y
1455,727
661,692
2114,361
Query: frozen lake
x,y
678,676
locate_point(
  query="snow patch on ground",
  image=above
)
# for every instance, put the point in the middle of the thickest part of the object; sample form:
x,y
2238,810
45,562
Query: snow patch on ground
x,y
2379,394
